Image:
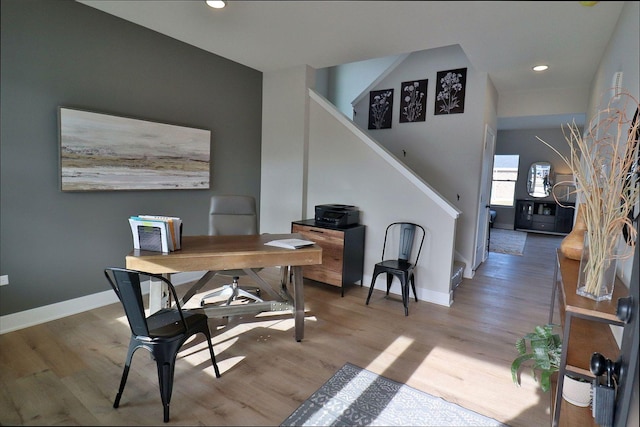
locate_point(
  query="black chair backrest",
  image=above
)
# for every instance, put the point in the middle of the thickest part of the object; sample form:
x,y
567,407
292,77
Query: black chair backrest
x,y
407,233
127,285
407,240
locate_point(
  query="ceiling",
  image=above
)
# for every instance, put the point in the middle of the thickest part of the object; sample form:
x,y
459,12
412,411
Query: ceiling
x,y
503,38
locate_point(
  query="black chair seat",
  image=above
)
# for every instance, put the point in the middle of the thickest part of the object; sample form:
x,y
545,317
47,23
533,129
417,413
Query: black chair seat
x,y
398,265
166,322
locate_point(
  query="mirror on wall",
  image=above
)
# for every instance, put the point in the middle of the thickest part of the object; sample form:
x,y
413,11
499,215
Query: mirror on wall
x,y
539,179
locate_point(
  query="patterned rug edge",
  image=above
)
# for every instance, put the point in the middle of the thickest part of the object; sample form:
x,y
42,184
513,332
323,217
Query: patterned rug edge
x,y
355,396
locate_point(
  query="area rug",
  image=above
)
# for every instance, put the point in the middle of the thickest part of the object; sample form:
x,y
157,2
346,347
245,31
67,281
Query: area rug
x,y
507,241
358,397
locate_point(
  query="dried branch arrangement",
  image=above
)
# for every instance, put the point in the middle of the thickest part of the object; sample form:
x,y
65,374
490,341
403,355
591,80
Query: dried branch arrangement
x,y
604,163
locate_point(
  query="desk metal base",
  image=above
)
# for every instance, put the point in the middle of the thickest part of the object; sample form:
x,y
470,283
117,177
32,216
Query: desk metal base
x,y
283,300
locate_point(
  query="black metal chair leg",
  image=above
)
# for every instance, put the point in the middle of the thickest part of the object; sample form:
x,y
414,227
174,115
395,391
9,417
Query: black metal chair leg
x,y
413,286
125,371
213,356
123,381
373,281
405,294
165,379
389,282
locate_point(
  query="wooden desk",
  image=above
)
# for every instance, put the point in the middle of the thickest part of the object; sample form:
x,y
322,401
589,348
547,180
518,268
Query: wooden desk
x,y
215,253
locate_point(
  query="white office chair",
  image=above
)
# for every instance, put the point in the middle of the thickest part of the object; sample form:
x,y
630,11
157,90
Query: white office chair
x,y
233,215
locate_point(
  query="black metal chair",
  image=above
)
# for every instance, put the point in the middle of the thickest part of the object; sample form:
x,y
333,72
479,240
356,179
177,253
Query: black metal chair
x,y
403,266
161,333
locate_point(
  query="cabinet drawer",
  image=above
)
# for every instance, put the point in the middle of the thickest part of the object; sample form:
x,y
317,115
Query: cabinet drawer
x,y
322,274
549,219
320,234
332,244
543,226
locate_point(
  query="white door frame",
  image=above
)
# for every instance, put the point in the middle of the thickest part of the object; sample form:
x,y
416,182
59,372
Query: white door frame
x,y
482,226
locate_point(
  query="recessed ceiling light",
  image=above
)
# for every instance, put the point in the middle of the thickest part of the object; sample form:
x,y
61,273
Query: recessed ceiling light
x,y
540,68
216,4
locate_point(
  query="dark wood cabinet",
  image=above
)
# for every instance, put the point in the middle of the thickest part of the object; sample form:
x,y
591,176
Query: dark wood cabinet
x,y
543,217
342,252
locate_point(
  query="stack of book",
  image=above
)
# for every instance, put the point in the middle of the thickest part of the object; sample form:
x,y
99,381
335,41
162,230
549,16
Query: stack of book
x,y
156,232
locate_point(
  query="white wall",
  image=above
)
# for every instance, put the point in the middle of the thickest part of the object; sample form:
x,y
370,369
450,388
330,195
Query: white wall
x,y
446,151
347,167
309,158
348,81
285,104
622,54
569,101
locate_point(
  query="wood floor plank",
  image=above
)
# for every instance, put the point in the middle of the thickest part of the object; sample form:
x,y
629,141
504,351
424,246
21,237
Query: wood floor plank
x,y
67,371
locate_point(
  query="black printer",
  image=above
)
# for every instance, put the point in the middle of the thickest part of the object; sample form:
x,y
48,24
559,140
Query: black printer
x,y
336,215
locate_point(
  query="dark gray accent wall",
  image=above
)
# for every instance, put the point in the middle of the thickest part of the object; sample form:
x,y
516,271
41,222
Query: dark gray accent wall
x,y
54,245
526,144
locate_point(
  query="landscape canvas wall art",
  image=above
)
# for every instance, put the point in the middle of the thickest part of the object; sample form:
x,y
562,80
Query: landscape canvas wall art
x,y
103,152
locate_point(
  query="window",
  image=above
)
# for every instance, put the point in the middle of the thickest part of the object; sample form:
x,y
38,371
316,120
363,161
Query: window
x,y
505,175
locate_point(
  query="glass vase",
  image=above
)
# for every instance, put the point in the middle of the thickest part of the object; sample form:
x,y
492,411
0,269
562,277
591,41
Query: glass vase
x,y
597,274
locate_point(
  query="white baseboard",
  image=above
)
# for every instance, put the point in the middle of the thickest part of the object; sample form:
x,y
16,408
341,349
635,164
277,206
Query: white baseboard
x,y
35,316
47,313
440,298
503,225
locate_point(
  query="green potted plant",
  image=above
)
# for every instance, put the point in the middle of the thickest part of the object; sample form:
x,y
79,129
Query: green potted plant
x,y
544,351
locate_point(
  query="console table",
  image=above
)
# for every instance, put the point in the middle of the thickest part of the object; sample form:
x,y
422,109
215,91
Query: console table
x,y
544,217
586,329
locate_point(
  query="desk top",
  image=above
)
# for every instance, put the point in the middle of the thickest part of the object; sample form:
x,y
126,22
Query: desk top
x,y
224,253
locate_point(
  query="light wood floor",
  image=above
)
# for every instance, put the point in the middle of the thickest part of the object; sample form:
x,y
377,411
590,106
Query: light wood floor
x,y
66,372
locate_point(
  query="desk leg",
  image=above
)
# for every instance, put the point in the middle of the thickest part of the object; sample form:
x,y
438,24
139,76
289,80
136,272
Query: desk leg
x,y
158,295
298,298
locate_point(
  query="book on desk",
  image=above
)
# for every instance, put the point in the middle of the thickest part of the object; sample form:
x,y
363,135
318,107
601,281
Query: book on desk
x,y
156,233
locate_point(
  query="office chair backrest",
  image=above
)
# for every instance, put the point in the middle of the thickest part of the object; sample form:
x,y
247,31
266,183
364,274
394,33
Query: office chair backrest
x,y
233,215
127,286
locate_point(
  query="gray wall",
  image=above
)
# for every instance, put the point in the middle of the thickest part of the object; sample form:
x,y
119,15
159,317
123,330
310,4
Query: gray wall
x,y
526,144
54,245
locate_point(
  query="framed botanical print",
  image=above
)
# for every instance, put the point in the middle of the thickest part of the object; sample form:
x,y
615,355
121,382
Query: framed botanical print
x,y
450,91
380,108
413,101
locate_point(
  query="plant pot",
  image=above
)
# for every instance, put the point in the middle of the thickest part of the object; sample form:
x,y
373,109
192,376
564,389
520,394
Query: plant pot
x,y
576,391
